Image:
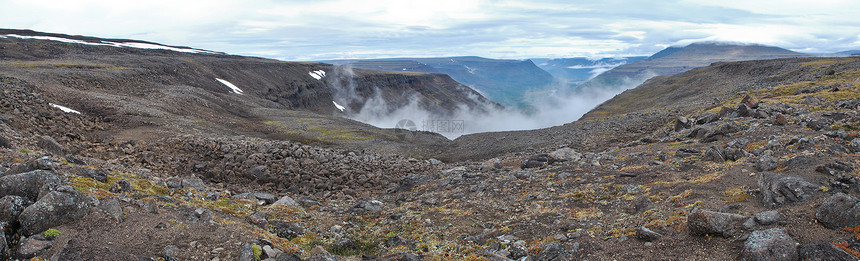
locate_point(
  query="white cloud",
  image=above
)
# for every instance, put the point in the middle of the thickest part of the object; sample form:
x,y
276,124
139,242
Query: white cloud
x,y
329,29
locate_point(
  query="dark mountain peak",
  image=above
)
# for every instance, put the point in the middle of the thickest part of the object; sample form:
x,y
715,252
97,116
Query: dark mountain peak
x,y
728,50
665,52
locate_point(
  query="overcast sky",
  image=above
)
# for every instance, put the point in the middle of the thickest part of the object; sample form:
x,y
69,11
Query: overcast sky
x,y
320,29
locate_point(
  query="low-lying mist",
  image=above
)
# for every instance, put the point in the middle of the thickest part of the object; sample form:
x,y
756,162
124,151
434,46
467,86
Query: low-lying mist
x,y
556,105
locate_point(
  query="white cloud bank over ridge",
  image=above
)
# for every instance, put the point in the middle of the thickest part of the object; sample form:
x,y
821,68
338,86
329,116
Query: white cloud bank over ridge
x,y
329,29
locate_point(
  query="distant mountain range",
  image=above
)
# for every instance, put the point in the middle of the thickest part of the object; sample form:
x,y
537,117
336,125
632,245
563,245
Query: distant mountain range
x,y
581,69
507,82
675,60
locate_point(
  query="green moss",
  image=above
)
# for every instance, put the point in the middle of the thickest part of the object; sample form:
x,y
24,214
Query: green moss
x,y
51,233
258,251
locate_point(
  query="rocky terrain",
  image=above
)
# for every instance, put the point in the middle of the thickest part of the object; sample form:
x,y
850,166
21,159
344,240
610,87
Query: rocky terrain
x,y
752,160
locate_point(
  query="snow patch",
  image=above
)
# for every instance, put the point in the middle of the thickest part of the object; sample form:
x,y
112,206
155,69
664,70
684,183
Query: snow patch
x,y
338,106
232,87
64,108
113,44
318,74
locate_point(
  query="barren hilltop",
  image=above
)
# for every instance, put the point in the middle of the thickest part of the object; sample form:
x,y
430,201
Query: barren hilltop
x,y
112,151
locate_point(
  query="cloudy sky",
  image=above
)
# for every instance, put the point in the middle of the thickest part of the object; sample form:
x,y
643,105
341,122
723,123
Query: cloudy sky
x,y
333,29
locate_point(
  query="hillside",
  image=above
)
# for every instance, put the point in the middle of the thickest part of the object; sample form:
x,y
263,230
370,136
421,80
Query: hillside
x,y
129,154
158,88
507,82
674,60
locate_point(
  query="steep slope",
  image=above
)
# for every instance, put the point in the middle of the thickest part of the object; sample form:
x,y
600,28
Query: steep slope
x,y
507,82
674,60
153,86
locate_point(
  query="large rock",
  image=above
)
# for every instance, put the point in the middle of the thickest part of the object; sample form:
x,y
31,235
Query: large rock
x,y
76,250
779,189
11,206
824,251
247,253
537,161
28,184
258,197
767,163
566,154
286,201
552,251
286,229
31,246
682,122
56,208
4,245
194,183
839,211
714,154
769,245
51,145
319,254
703,222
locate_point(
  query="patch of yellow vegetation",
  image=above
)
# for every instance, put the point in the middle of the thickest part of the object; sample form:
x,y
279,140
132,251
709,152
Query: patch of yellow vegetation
x,y
683,195
734,194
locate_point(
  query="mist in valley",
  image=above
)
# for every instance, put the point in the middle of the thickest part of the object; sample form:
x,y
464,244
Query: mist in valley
x,y
554,105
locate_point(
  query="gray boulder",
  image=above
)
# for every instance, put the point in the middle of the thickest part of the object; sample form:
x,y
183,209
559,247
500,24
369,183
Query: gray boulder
x,y
824,251
28,184
260,198
51,145
714,154
552,251
11,206
31,246
855,145
286,201
703,222
779,189
768,218
537,161
194,183
112,208
566,154
4,245
286,229
767,163
839,211
772,244
682,122
646,234
247,253
56,208
319,254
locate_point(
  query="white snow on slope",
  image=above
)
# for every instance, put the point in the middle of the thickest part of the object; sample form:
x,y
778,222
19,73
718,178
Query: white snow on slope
x,y
232,87
318,74
64,108
114,44
338,106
